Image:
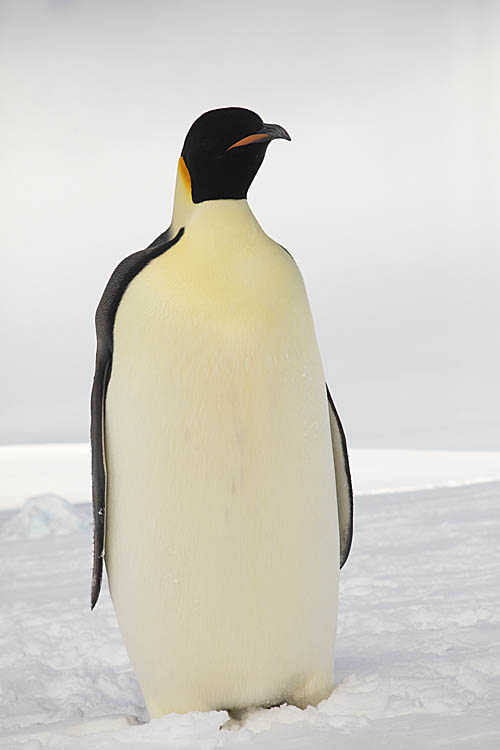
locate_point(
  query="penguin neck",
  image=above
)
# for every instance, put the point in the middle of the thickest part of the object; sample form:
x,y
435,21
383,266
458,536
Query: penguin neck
x,y
183,204
186,213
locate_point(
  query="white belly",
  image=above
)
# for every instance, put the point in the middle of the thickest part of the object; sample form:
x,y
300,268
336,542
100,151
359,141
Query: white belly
x,y
221,528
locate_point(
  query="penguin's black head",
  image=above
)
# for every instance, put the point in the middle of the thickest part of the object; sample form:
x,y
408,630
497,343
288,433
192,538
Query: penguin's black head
x,y
223,151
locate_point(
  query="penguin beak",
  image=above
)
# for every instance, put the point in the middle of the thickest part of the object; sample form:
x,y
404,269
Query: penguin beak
x,y
267,133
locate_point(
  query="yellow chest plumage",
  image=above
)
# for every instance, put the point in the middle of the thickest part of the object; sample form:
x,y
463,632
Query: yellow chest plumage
x,y
221,527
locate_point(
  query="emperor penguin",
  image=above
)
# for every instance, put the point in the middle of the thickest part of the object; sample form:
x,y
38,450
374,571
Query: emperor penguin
x,y
221,485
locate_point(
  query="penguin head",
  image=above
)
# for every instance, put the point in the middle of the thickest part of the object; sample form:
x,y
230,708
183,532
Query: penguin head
x,y
223,151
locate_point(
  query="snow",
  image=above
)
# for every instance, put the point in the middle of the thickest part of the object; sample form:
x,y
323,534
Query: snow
x,y
417,655
44,515
27,470
398,470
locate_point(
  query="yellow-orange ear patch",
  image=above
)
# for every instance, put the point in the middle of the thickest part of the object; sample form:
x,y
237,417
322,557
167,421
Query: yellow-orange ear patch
x,y
184,173
250,139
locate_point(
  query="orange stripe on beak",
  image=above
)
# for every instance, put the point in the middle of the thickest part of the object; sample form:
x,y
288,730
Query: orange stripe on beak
x,y
250,139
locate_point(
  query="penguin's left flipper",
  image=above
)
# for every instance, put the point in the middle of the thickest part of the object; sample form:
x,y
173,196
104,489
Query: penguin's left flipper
x,y
345,504
343,483
104,322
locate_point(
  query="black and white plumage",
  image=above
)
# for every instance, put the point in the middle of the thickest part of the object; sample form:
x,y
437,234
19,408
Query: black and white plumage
x,y
217,452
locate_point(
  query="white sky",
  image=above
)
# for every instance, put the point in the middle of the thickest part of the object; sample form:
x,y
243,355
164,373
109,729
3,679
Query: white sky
x,y
388,195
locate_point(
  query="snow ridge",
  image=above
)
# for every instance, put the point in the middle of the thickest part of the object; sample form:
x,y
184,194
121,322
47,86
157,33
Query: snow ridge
x,y
44,515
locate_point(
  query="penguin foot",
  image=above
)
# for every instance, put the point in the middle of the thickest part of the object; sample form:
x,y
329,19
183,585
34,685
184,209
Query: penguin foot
x,y
237,717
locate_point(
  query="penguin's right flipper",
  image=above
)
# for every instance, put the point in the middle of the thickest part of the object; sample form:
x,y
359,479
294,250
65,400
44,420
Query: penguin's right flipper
x,y
97,402
345,504
105,320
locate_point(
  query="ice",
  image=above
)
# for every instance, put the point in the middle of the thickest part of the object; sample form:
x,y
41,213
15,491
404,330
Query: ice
x,y
417,654
44,515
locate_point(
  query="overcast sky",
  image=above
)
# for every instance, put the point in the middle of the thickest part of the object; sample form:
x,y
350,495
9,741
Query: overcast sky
x,y
388,195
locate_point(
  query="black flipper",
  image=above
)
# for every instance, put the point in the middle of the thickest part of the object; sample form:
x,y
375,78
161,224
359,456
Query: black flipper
x,y
104,322
345,504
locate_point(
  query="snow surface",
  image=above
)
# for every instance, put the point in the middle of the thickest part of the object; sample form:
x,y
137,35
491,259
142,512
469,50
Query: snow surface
x,y
44,515
417,656
27,470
